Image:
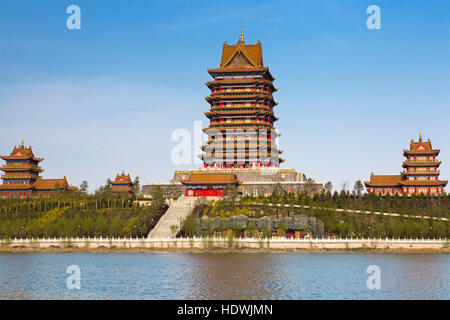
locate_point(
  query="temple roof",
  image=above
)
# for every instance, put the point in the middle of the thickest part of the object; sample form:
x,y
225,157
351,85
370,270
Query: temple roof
x,y
421,183
383,180
420,147
413,163
41,184
122,179
16,187
22,153
51,184
205,179
241,57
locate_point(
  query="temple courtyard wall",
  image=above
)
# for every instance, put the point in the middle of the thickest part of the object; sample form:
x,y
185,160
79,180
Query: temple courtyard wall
x,y
252,182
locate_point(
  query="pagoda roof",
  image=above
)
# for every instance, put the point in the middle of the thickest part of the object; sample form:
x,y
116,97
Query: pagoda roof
x,y
22,153
421,147
383,180
238,80
222,96
421,152
241,126
423,183
210,179
241,57
51,184
16,187
417,173
236,112
122,179
413,163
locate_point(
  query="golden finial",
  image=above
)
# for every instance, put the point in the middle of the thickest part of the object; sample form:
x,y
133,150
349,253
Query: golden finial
x,y
242,35
22,144
123,172
420,136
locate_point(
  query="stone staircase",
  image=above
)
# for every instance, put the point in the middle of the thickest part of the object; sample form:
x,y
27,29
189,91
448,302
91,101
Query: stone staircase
x,y
178,210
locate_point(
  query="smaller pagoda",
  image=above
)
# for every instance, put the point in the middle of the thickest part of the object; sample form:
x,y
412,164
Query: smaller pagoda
x,y
20,172
122,184
420,174
21,176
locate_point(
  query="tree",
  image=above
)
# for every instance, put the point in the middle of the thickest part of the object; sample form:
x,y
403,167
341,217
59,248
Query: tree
x,y
309,186
277,190
84,186
136,186
158,198
173,192
328,187
358,187
231,192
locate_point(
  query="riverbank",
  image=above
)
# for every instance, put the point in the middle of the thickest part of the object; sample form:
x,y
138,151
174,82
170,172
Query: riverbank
x,y
247,245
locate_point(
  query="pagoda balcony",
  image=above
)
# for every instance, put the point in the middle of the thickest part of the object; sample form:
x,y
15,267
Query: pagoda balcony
x,y
18,176
244,122
437,172
411,161
252,138
240,105
241,90
19,167
233,145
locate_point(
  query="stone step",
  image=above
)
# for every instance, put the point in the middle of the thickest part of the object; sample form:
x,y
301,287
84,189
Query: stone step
x,y
178,210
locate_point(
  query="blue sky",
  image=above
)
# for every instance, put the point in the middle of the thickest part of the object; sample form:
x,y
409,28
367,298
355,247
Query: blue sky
x,y
107,97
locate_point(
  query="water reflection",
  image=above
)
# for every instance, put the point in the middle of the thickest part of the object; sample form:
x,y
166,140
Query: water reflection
x,y
224,276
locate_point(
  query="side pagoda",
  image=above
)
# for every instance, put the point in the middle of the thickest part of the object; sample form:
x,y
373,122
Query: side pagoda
x,y
122,184
21,176
420,174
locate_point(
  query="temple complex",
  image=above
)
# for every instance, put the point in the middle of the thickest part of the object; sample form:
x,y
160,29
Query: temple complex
x,y
241,149
420,174
21,176
122,184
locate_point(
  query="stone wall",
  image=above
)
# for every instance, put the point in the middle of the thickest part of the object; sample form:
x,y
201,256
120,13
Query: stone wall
x,y
185,244
254,182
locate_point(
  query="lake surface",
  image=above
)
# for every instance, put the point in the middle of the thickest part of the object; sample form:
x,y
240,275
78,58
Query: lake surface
x,y
224,276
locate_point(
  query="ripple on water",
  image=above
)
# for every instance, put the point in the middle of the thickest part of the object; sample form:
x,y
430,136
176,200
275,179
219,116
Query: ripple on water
x,y
224,276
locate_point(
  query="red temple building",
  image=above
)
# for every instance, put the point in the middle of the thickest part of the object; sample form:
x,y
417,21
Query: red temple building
x,y
420,174
21,176
122,184
209,185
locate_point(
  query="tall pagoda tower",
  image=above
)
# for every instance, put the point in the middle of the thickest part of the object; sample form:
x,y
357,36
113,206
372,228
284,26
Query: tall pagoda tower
x,y
241,151
21,170
241,132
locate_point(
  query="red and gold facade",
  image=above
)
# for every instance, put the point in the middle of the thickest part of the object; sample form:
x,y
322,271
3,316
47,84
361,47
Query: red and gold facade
x,y
420,174
209,185
122,184
241,132
21,176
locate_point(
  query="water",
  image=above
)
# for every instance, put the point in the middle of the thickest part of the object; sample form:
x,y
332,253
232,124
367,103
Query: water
x,y
224,276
